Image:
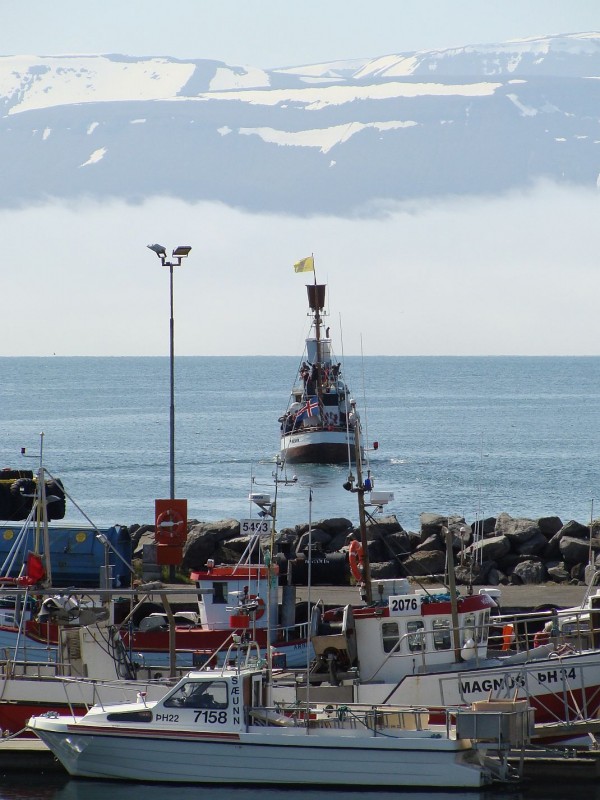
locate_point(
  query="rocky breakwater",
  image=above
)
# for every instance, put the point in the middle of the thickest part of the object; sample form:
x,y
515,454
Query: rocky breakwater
x,y
493,551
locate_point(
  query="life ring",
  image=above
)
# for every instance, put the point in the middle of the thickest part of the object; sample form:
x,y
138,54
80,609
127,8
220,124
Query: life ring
x,y
260,607
170,524
356,558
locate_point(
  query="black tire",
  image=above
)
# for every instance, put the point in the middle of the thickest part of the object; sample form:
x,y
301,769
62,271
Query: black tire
x,y
56,508
22,493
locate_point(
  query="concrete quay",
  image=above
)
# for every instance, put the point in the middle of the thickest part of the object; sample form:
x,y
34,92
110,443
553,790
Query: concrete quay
x,y
512,598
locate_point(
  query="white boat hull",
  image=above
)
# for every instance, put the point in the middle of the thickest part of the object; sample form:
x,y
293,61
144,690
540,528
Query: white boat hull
x,y
269,756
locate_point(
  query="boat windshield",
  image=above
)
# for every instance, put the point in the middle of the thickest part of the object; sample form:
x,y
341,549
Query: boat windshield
x,y
195,694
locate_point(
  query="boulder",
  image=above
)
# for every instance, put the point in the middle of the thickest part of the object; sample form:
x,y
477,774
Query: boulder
x,y
483,527
558,572
427,562
318,537
473,574
490,549
386,569
549,526
399,544
529,572
384,526
531,546
517,529
334,525
203,539
574,550
431,523
144,536
575,530
435,523
432,542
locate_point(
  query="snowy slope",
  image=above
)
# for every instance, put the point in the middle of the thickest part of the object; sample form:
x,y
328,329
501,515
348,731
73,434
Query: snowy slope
x,y
344,134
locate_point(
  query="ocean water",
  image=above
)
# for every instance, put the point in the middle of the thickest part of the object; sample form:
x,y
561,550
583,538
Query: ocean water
x,y
470,436
59,787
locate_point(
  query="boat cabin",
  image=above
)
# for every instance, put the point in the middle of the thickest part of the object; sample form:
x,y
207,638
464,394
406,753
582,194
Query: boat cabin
x,y
214,701
404,633
235,596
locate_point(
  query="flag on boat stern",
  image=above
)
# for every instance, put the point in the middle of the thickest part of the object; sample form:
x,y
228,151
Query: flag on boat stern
x,y
309,409
305,265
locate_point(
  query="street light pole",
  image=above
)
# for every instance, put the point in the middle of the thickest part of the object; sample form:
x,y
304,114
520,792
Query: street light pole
x,y
178,254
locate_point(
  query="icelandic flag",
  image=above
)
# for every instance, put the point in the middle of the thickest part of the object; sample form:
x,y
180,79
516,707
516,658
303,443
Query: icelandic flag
x,y
309,409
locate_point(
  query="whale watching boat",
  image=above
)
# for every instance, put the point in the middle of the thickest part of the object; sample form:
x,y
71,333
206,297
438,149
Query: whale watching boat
x,y
317,426
219,726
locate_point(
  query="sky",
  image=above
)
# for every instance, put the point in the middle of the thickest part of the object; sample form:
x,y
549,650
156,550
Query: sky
x,y
510,275
274,33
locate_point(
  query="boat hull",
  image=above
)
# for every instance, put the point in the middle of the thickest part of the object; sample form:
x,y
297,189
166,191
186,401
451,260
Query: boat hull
x,y
561,691
266,757
318,447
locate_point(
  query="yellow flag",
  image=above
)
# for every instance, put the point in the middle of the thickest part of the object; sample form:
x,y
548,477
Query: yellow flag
x,y
305,265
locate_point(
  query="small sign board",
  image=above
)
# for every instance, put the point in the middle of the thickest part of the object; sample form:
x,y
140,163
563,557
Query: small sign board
x,y
255,527
402,605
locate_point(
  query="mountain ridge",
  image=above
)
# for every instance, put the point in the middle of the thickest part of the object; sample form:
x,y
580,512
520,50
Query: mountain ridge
x,y
340,137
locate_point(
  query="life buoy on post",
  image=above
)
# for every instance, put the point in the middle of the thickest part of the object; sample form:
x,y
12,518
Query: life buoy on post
x,y
356,557
170,525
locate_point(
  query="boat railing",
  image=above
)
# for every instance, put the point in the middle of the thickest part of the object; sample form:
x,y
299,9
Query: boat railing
x,y
377,719
567,629
77,692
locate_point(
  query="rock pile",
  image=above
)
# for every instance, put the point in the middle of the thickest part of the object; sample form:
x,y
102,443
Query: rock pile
x,y
492,551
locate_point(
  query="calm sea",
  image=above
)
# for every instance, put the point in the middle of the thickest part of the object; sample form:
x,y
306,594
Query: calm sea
x,y
469,436
57,787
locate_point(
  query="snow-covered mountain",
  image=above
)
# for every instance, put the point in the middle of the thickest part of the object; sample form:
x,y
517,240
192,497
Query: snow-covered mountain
x,y
337,137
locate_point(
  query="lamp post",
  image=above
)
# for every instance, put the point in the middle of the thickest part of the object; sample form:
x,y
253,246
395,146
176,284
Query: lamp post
x,y
178,254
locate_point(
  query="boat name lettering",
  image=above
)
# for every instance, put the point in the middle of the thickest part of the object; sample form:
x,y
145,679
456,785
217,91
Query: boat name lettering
x,y
554,675
492,684
499,682
211,717
402,604
166,717
235,700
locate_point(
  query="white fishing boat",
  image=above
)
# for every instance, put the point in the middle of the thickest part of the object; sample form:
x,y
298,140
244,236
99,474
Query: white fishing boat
x,y
213,727
318,424
407,643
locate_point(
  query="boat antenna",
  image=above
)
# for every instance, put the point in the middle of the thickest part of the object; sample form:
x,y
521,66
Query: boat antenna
x,y
362,363
346,402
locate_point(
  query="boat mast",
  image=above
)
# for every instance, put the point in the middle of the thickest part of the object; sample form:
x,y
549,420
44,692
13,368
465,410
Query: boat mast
x,y
360,490
453,596
316,302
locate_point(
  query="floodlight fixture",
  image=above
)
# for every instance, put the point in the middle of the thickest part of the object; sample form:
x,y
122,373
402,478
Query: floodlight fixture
x,y
159,249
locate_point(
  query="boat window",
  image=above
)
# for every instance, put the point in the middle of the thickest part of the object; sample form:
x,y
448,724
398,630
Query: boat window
x,y
199,694
468,631
441,634
219,592
483,627
257,692
415,630
130,716
390,636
